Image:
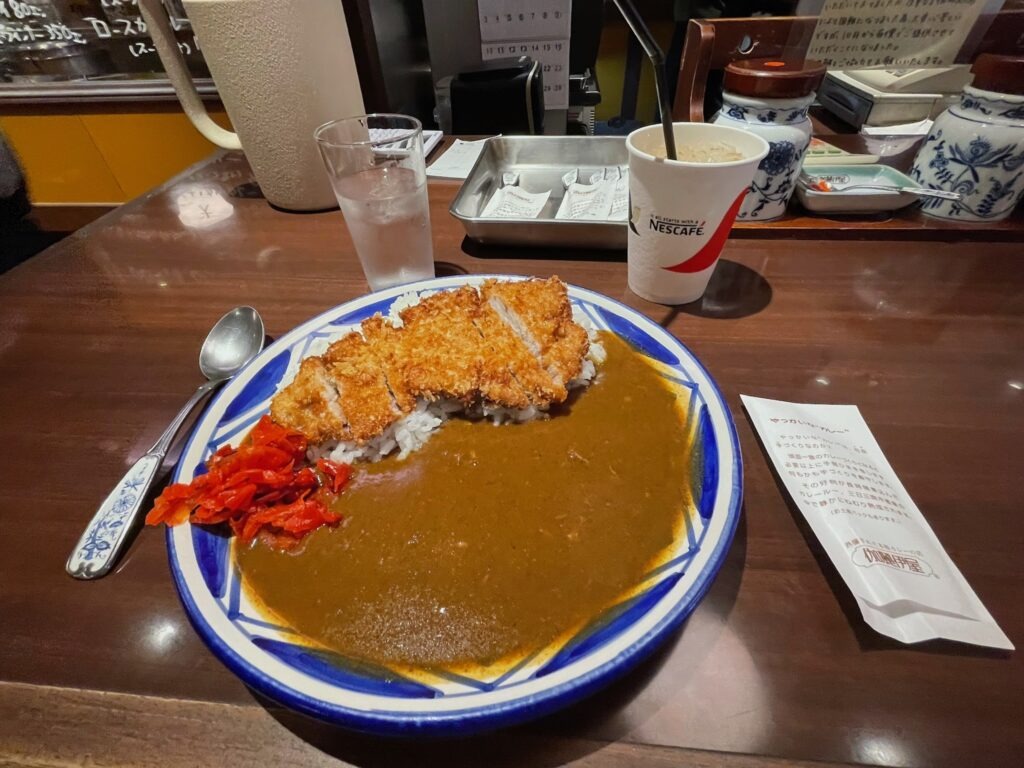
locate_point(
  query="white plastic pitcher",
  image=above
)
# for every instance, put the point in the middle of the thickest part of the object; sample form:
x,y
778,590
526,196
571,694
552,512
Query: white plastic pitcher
x,y
282,68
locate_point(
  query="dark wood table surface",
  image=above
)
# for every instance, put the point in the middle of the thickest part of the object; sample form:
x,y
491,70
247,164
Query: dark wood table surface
x,y
98,346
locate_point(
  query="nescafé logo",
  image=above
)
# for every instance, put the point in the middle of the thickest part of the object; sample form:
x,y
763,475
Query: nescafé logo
x,y
664,224
667,226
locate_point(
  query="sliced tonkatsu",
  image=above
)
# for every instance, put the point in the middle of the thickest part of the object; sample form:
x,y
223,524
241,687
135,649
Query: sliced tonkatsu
x,y
507,346
540,313
310,404
363,392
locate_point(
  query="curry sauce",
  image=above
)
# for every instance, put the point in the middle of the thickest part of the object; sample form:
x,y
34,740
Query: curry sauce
x,y
492,541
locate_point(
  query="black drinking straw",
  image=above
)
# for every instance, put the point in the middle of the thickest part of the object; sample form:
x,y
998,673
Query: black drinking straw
x,y
643,34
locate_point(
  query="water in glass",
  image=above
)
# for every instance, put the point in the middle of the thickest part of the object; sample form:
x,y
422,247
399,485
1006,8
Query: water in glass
x,y
389,219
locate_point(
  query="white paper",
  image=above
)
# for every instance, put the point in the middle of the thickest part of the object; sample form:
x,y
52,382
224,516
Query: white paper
x,y
893,33
605,198
920,128
202,207
587,202
620,198
430,138
524,19
888,555
535,28
457,161
515,203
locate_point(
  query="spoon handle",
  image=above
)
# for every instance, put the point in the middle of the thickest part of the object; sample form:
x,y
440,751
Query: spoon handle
x,y
104,539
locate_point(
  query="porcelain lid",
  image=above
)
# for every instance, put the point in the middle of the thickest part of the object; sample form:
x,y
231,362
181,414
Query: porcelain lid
x,y
773,78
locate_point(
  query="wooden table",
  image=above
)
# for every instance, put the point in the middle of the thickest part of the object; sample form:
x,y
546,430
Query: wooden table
x,y
98,345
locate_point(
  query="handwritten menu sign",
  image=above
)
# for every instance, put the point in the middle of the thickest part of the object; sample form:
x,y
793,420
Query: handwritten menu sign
x,y
535,28
900,33
114,29
28,23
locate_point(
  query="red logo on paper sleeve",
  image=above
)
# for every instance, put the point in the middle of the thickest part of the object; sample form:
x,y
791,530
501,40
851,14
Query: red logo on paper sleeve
x,y
706,256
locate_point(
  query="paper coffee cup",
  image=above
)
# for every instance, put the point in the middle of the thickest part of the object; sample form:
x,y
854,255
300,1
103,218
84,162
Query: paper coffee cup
x,y
681,213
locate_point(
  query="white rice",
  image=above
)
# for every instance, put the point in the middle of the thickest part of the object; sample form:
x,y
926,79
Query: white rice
x,y
412,431
595,356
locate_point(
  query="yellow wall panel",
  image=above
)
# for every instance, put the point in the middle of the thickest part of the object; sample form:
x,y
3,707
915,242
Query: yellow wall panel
x,y
611,70
61,162
144,150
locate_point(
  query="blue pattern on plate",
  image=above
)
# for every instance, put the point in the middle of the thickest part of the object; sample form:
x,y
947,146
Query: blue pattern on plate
x,y
203,552
626,330
330,667
212,553
612,623
709,457
262,386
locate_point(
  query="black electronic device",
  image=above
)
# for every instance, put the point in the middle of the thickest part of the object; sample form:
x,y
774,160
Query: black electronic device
x,y
503,96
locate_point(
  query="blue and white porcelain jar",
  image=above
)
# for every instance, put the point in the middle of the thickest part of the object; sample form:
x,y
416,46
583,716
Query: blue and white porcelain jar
x,y
976,147
771,98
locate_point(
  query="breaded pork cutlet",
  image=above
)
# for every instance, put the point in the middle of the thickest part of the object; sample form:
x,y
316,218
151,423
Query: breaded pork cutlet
x,y
310,404
444,354
383,341
511,345
362,390
504,344
540,313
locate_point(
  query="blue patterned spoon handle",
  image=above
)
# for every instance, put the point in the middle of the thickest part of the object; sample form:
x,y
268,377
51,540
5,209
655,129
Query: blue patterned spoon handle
x,y
104,539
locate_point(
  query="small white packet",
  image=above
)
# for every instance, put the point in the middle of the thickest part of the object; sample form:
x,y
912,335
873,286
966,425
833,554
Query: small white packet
x,y
620,198
905,584
201,207
515,203
587,202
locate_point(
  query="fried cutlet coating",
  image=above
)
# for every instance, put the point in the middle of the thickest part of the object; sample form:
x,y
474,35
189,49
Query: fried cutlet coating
x,y
444,355
384,344
362,389
506,345
512,345
541,308
310,404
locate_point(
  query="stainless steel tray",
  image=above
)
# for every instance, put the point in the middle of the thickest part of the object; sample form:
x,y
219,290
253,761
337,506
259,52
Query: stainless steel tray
x,y
540,161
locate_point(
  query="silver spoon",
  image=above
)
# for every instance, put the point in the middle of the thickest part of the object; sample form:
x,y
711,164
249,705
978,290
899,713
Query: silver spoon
x,y
810,183
235,340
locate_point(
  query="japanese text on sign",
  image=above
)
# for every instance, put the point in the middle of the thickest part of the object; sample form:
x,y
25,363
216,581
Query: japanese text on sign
x,y
898,33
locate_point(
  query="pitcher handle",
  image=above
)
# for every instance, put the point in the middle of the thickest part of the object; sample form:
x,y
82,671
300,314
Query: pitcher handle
x,y
159,26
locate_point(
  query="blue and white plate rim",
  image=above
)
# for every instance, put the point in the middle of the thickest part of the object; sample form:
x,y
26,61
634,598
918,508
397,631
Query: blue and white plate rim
x,y
501,706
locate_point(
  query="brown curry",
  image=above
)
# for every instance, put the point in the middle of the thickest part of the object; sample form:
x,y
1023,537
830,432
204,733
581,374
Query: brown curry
x,y
492,541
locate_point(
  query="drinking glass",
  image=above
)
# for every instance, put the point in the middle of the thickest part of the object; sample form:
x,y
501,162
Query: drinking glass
x,y
376,167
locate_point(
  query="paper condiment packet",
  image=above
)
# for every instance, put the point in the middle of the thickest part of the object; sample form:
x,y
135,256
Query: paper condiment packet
x,y
620,198
905,584
515,203
586,202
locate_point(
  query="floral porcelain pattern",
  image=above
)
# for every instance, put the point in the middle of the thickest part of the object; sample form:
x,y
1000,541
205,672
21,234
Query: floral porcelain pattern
x,y
975,148
784,124
107,530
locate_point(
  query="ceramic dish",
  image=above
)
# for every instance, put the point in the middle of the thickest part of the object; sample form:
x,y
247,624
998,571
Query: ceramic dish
x,y
274,661
857,200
